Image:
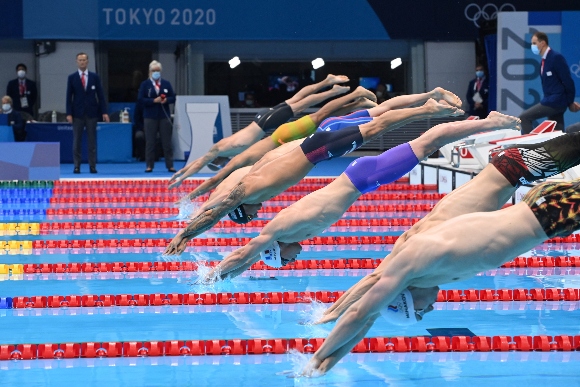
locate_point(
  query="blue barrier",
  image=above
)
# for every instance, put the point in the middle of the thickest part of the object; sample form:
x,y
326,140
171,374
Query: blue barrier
x,y
6,303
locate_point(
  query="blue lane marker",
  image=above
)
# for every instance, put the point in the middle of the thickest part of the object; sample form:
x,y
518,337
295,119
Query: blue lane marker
x,y
6,303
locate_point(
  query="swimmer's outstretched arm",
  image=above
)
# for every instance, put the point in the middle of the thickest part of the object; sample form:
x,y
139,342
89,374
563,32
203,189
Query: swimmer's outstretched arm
x,y
356,321
350,297
353,294
206,220
193,167
248,157
240,260
226,147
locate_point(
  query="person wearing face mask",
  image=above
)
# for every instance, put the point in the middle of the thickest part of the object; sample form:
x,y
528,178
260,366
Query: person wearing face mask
x,y
14,119
155,95
250,101
22,91
478,93
381,93
557,85
85,101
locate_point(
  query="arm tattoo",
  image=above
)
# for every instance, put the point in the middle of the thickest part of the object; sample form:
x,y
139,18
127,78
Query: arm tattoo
x,y
211,216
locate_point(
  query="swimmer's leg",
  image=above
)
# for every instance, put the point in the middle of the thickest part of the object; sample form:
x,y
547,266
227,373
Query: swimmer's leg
x,y
315,99
522,164
446,133
330,80
332,107
403,101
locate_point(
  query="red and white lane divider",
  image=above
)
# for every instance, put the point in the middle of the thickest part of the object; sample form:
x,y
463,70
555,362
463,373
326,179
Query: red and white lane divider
x,y
522,343
288,297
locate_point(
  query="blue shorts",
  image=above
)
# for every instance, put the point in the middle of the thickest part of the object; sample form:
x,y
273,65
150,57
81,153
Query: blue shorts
x,y
336,123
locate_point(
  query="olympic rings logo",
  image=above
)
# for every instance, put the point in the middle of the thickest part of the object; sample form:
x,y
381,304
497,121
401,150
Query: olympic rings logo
x,y
575,69
473,12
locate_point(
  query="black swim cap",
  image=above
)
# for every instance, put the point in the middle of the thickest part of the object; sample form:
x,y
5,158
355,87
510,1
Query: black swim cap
x,y
239,215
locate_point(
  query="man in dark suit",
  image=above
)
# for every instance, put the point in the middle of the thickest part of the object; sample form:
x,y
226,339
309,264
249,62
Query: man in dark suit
x,y
478,93
22,91
557,85
85,101
155,95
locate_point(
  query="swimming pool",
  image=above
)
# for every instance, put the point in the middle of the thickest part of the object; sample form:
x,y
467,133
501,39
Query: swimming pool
x,y
81,270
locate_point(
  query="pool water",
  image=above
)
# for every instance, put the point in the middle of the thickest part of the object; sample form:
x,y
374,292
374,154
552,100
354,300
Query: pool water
x,y
249,321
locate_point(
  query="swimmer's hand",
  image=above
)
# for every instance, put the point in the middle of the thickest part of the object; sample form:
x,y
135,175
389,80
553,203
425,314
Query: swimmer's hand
x,y
212,277
180,201
331,317
176,180
312,369
177,245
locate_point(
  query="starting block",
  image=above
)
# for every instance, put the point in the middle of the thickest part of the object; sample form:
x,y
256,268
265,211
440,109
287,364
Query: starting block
x,y
475,151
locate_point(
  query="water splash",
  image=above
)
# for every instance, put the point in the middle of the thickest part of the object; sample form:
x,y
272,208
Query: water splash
x,y
299,362
311,314
186,208
203,269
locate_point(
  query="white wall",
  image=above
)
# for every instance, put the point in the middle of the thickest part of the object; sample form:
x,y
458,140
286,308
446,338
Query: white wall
x,y
13,52
54,70
450,65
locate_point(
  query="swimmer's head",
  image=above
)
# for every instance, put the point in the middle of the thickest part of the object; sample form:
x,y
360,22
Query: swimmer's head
x,y
280,254
410,306
244,213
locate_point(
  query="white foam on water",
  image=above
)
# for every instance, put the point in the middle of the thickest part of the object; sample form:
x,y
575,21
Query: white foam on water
x,y
299,361
312,314
186,208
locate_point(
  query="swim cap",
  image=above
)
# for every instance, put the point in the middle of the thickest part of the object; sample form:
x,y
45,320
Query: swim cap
x,y
239,215
401,311
271,256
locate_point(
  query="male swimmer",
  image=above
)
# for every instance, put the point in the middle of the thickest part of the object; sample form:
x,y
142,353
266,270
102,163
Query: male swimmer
x,y
443,254
271,178
360,98
268,119
287,132
488,191
277,243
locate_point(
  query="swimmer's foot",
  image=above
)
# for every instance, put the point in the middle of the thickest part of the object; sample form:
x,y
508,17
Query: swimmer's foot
x,y
334,79
503,121
440,93
362,92
359,104
338,89
364,103
441,109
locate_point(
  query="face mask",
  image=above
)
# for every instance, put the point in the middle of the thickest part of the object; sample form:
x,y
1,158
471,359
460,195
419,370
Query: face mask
x,y
21,73
479,74
379,94
6,107
535,49
156,75
249,102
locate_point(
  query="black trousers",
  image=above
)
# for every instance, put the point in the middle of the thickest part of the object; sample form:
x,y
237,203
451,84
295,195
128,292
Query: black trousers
x,y
165,129
540,111
79,124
